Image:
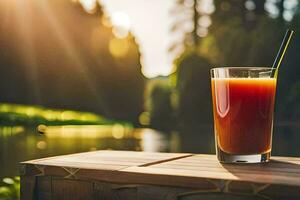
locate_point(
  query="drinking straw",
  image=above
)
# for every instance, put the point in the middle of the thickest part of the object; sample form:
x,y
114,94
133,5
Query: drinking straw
x,y
284,45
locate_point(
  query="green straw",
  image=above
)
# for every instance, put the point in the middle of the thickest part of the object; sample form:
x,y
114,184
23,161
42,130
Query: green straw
x,y
281,52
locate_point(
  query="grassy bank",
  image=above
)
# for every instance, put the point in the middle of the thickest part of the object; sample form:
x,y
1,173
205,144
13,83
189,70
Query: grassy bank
x,y
32,116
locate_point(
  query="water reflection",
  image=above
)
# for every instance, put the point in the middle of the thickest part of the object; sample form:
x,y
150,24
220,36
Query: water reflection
x,y
10,131
19,144
152,141
117,131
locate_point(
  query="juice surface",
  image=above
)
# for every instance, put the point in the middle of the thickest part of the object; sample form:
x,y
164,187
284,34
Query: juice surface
x,y
243,114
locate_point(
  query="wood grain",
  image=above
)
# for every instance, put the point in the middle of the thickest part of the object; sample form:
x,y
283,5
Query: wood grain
x,y
138,175
107,160
279,171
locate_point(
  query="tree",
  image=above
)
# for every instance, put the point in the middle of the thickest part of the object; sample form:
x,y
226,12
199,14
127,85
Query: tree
x,y
193,86
288,92
241,34
159,104
54,54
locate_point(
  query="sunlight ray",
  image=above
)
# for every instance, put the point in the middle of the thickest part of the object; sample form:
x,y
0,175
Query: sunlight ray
x,y
71,50
6,13
28,50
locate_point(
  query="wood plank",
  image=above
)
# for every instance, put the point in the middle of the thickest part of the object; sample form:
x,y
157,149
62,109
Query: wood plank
x,y
123,177
278,171
106,160
148,172
277,165
132,175
64,189
44,188
28,186
167,169
79,165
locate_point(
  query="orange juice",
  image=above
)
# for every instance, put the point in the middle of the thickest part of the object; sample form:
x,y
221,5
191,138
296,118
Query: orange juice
x,y
243,114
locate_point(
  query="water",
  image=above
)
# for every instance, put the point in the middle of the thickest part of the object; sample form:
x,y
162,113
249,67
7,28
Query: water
x,y
18,144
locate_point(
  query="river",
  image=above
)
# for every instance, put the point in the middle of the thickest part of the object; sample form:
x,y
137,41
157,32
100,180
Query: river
x,y
19,144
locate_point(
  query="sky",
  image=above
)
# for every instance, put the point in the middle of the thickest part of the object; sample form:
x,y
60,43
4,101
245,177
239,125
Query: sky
x,y
150,23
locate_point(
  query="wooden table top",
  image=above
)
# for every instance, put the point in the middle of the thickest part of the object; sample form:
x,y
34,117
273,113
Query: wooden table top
x,y
172,169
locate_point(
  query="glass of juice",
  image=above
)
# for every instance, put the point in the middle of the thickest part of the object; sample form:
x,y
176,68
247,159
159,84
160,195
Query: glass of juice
x,y
243,107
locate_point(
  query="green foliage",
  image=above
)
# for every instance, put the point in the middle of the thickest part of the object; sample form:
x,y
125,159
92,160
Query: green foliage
x,y
193,86
10,188
232,44
294,93
224,45
160,104
288,93
15,114
238,37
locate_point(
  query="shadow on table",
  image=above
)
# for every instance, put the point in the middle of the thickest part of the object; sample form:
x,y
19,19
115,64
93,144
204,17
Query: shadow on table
x,y
277,179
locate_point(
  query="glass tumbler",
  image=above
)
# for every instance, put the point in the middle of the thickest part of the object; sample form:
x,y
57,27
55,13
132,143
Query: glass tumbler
x,y
243,108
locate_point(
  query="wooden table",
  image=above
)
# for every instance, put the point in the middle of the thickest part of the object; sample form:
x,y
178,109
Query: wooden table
x,y
157,176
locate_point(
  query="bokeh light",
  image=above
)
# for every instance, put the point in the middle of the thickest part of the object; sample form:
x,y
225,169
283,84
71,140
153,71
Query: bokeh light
x,y
118,47
206,6
121,19
89,5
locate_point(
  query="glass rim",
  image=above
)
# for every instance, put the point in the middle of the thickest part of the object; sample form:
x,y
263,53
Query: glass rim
x,y
244,68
